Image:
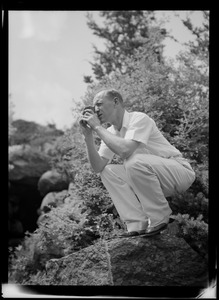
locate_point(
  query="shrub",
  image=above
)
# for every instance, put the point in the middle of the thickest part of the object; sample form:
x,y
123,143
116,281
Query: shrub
x,y
100,208
194,231
87,214
21,261
68,153
65,229
188,203
201,183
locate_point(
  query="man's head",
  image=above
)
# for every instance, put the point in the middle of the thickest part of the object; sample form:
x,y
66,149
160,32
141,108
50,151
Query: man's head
x,y
108,105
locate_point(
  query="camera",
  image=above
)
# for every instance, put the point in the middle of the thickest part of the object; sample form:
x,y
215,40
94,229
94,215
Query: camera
x,y
88,107
84,123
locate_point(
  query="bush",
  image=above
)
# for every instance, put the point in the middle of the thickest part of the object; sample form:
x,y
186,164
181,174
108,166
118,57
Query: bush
x,y
87,214
100,208
188,203
175,96
194,231
64,230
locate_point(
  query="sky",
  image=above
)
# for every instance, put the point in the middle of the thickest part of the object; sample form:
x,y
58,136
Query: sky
x,y
49,53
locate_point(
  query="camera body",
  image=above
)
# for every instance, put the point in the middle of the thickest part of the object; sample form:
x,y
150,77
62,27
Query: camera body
x,y
84,123
88,107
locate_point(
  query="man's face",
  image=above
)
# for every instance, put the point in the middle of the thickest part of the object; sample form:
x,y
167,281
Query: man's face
x,y
104,108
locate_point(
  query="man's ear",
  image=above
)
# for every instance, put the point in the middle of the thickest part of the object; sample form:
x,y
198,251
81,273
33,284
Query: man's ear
x,y
116,101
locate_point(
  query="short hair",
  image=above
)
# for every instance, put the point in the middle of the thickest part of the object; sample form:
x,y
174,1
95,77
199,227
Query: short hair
x,y
111,93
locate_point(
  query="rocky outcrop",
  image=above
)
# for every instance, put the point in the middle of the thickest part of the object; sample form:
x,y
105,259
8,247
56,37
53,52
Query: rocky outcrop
x,y
53,199
26,164
52,181
30,145
161,260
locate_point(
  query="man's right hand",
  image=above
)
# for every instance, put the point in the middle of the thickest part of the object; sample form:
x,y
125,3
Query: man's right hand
x,y
86,130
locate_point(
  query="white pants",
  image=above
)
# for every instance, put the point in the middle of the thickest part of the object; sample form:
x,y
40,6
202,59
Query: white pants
x,y
138,188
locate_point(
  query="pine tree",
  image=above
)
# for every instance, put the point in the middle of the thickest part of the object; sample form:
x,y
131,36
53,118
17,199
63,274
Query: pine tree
x,y
201,45
124,32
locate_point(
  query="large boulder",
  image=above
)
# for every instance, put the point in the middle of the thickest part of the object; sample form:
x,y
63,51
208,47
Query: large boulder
x,y
162,260
52,181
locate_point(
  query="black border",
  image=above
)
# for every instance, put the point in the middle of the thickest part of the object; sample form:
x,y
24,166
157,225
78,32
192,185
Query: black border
x,y
127,291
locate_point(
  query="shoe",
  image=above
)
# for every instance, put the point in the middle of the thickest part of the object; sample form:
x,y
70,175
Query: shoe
x,y
132,234
150,231
155,230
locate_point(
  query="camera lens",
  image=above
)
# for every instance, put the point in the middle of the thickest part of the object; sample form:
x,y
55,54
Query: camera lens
x,y
88,107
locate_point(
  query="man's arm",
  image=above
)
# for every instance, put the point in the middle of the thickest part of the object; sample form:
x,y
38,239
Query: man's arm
x,y
120,146
123,147
97,162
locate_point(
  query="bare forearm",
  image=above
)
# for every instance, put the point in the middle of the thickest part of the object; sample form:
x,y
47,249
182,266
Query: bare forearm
x,y
95,160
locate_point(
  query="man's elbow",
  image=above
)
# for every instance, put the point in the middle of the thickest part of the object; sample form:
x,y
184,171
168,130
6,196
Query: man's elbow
x,y
99,167
128,149
98,170
126,153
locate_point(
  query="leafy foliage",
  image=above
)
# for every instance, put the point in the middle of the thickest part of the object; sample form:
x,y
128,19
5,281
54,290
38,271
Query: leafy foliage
x,y
189,203
28,153
175,97
35,135
201,45
61,232
194,231
87,214
124,32
68,153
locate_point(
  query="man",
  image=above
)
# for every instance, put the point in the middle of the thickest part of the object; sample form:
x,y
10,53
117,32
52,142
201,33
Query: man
x,y
152,170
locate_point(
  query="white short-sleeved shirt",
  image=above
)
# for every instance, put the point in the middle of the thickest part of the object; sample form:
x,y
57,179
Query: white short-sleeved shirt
x,y
140,127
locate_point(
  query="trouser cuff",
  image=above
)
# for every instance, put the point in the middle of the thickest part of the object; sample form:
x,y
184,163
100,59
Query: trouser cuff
x,y
136,226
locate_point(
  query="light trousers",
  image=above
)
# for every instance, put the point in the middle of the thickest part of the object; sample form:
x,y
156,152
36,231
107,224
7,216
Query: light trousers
x,y
139,188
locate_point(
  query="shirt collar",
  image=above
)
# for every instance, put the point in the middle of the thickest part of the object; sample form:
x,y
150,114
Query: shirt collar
x,y
125,121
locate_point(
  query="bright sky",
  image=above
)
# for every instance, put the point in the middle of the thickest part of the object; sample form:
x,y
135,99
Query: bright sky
x,y
49,52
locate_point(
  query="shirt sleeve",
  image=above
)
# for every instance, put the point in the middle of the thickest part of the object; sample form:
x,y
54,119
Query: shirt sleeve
x,y
140,128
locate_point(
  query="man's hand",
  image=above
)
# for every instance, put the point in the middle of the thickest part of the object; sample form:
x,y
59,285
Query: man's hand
x,y
91,119
86,130
87,122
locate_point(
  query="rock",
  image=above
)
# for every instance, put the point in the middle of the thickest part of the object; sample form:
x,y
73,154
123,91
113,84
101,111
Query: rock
x,y
53,199
89,266
27,165
161,260
41,218
52,181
